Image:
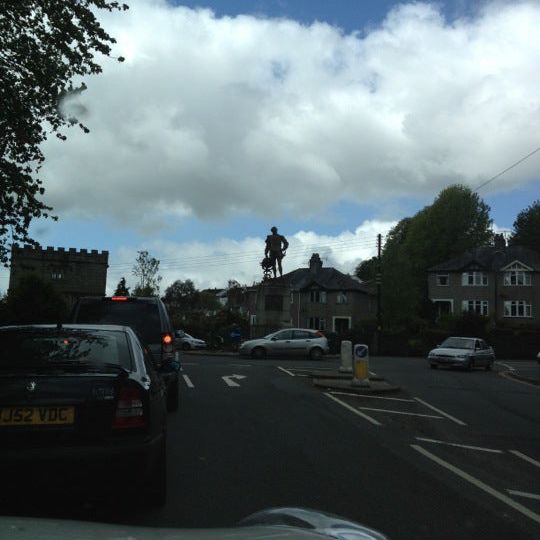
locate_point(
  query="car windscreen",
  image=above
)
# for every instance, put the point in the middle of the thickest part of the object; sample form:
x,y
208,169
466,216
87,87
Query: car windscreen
x,y
52,348
143,317
458,343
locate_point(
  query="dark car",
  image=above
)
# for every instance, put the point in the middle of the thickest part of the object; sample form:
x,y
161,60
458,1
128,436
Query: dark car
x,y
85,399
149,318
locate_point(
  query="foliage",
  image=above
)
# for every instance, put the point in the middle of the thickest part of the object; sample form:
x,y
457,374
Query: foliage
x,y
146,268
122,289
33,300
527,228
181,296
458,220
367,269
44,46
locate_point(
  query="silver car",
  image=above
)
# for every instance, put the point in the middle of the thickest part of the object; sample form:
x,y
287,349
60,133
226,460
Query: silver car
x,y
290,342
465,352
186,342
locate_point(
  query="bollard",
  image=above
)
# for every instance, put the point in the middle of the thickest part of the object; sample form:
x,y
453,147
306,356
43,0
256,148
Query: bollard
x,y
346,357
360,365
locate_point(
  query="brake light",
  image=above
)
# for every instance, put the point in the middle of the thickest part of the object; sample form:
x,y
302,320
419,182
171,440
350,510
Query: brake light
x,y
129,409
167,342
167,339
119,298
319,334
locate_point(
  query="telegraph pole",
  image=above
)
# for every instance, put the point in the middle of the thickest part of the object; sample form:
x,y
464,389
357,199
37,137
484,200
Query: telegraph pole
x,y
378,280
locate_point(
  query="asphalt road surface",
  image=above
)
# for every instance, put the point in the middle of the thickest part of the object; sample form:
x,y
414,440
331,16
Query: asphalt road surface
x,y
454,455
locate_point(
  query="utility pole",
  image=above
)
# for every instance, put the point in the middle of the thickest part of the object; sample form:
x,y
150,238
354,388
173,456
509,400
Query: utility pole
x,y
378,280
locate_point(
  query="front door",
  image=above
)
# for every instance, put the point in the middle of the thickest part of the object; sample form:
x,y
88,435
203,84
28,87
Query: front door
x,y
281,343
342,325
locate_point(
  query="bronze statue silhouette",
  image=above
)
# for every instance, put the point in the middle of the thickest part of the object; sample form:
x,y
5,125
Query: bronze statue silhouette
x,y
276,247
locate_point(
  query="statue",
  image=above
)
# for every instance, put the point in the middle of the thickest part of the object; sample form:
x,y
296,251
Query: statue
x,y
276,246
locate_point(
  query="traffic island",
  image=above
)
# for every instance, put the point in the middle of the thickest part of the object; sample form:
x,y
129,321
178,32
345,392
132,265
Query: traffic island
x,y
373,385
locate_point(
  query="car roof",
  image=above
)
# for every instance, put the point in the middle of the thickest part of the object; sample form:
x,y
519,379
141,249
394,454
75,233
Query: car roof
x,y
113,327
463,337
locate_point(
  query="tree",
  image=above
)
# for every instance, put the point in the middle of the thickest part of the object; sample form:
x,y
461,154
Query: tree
x,y
146,268
181,295
122,289
44,46
367,269
527,228
33,300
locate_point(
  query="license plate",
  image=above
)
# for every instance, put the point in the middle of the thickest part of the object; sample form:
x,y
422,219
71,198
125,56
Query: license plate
x,y
36,416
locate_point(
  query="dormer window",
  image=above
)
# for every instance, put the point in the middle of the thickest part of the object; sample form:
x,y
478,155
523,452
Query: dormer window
x,y
516,275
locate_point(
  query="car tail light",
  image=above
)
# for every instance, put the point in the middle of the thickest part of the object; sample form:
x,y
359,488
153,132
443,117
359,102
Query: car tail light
x,y
167,342
319,334
119,298
129,409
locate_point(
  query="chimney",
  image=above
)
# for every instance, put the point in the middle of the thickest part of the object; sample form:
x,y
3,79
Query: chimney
x,y
315,263
499,242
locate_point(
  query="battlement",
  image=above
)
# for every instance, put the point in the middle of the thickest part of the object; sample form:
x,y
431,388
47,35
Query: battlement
x,y
53,253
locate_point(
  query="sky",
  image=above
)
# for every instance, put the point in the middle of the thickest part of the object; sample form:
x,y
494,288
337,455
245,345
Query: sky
x,y
330,119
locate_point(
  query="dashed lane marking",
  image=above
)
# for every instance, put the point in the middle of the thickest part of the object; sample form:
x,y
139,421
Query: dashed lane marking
x,y
466,446
369,396
450,417
478,483
189,384
406,413
352,409
524,494
286,371
525,457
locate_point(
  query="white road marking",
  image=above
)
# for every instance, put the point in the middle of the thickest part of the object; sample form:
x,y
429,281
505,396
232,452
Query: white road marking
x,y
400,412
505,365
526,458
524,494
468,447
352,409
189,384
371,397
453,418
372,373
479,484
286,371
228,379
508,376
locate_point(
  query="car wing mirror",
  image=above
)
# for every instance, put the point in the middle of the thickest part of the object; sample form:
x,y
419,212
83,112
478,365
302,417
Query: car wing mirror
x,y
273,338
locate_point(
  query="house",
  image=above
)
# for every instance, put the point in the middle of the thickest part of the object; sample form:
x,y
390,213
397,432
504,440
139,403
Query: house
x,y
499,281
314,297
72,273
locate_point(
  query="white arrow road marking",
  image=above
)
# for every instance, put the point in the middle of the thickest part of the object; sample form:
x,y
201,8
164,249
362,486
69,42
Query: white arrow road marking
x,y
524,494
189,384
229,379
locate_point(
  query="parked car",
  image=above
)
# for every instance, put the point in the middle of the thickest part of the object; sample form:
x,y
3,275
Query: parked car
x,y
187,342
86,399
149,319
465,352
290,342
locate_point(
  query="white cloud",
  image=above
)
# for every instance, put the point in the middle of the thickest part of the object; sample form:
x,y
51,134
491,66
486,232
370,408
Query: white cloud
x,y
218,116
213,264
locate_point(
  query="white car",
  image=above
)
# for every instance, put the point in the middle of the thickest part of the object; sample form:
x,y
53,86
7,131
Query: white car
x,y
186,342
465,352
289,342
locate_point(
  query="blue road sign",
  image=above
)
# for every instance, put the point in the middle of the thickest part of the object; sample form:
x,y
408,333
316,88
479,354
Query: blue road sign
x,y
361,351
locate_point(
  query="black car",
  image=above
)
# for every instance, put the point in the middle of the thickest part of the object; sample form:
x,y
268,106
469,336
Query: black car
x,y
149,318
86,398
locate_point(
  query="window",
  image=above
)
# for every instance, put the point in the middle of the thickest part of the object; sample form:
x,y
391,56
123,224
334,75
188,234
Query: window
x,y
475,306
342,297
57,275
474,279
273,302
517,277
317,323
317,297
303,334
443,280
283,335
517,308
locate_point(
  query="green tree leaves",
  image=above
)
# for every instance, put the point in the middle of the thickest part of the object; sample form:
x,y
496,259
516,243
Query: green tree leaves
x,y
527,228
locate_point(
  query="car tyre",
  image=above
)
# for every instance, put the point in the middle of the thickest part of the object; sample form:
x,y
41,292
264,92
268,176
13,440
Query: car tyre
x,y
186,346
489,365
173,397
258,353
316,353
470,365
156,492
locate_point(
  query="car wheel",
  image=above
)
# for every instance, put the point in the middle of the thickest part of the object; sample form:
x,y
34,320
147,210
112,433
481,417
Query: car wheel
x,y
186,346
172,397
259,353
470,365
316,353
156,492
490,363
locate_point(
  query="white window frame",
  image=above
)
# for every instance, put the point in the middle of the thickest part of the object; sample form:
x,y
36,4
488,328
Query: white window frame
x,y
512,309
469,306
342,298
479,279
314,293
447,276
316,323
511,278
57,274
340,317
451,300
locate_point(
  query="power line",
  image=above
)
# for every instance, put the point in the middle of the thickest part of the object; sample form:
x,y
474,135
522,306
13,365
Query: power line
x,y
507,169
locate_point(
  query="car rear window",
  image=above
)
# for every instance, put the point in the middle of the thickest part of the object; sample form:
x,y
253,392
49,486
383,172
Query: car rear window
x,y
143,317
42,348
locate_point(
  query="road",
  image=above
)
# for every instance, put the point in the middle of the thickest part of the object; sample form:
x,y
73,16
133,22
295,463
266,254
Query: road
x,y
453,455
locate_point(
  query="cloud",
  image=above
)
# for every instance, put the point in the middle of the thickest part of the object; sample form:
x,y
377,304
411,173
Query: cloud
x,y
216,117
213,264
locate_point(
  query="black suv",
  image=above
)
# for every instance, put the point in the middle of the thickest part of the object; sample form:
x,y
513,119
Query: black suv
x,y
148,317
